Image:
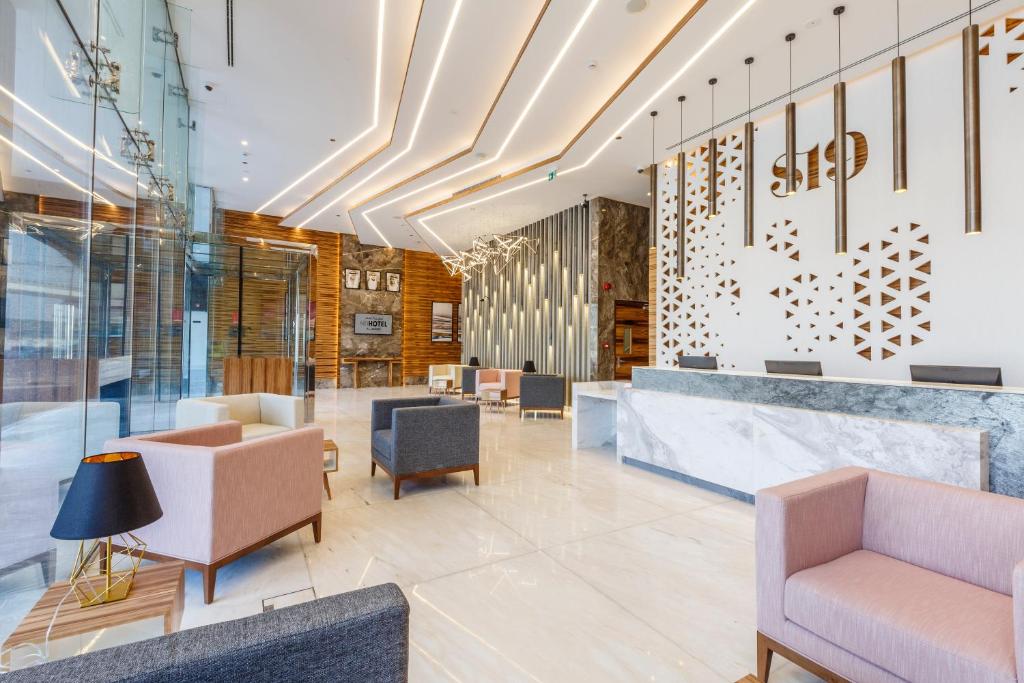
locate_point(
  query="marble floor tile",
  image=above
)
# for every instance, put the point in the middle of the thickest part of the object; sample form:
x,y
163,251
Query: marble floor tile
x,y
529,619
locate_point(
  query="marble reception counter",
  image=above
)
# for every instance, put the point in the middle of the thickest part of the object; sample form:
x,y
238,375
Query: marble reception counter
x,y
594,413
740,431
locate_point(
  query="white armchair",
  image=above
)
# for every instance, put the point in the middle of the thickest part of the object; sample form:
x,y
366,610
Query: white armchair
x,y
260,414
440,378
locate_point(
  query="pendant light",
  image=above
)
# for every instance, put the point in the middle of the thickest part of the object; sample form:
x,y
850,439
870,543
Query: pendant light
x,y
839,120
653,193
712,159
899,114
790,126
972,128
681,198
748,169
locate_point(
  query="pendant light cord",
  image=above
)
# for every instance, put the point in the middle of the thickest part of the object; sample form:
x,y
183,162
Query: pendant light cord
x,y
839,43
897,28
750,61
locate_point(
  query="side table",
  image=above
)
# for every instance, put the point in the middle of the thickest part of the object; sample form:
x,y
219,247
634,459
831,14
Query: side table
x,y
157,592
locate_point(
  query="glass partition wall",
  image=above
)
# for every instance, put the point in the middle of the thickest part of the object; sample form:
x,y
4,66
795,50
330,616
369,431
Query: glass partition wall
x,y
94,138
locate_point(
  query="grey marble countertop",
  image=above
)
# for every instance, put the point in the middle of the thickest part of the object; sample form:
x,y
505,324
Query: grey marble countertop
x,y
853,380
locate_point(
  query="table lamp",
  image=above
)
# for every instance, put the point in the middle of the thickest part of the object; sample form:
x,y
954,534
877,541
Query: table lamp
x,y
111,495
529,366
474,362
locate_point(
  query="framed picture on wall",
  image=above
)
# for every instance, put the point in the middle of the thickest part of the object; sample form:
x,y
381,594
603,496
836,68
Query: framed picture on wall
x,y
373,280
441,321
394,282
352,278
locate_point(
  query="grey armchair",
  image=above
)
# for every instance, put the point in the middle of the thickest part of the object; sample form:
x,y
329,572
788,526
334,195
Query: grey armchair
x,y
428,436
469,379
360,636
542,392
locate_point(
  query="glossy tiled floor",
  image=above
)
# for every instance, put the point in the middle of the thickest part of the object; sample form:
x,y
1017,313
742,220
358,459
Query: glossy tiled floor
x,y
561,566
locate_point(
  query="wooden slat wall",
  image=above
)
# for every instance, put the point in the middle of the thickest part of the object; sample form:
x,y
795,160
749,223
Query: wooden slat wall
x,y
245,374
243,224
426,281
652,307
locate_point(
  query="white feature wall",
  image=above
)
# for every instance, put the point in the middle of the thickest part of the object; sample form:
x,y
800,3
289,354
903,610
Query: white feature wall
x,y
912,287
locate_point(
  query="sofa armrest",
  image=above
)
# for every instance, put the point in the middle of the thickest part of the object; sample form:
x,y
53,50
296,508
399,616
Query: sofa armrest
x,y
803,524
1018,617
436,437
381,409
281,410
182,477
193,412
362,635
265,485
210,435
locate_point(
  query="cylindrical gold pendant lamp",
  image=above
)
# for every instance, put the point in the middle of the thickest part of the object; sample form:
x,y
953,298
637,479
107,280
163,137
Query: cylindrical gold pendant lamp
x,y
790,126
712,159
681,198
972,131
748,169
652,223
839,123
899,114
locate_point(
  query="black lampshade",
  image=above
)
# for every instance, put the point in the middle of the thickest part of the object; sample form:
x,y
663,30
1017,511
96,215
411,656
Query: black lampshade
x,y
474,362
110,494
529,366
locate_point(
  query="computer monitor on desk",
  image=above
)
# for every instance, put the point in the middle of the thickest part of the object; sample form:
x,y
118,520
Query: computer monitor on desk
x,y
698,362
957,374
793,367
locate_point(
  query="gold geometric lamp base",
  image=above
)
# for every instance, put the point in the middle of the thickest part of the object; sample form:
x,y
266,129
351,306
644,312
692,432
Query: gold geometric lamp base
x,y
103,574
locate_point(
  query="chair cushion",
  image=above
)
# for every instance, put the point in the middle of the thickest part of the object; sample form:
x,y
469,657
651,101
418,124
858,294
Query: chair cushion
x,y
482,386
258,429
380,442
915,623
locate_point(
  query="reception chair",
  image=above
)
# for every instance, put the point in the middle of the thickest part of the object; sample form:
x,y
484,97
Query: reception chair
x,y
260,414
223,497
506,381
430,436
436,374
872,577
542,392
469,374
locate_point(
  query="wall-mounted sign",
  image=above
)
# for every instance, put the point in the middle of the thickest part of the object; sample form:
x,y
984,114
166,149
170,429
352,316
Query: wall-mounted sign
x,y
372,323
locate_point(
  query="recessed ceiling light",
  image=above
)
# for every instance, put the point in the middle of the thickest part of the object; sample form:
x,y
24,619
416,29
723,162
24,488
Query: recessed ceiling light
x,y
618,137
245,143
635,6
333,140
592,65
245,179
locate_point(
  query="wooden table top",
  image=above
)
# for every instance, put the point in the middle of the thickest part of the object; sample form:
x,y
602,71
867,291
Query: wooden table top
x,y
158,591
329,445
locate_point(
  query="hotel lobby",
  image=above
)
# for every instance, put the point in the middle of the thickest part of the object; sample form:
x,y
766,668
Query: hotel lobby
x,y
547,340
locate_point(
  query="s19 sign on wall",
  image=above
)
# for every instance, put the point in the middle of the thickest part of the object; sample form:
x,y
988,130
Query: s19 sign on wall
x,y
372,323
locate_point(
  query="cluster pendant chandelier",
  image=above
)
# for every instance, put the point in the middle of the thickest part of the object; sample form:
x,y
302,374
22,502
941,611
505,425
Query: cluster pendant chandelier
x,y
712,159
748,169
972,128
681,198
496,252
839,121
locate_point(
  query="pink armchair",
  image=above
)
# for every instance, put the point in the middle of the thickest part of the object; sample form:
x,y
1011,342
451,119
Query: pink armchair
x,y
873,577
224,498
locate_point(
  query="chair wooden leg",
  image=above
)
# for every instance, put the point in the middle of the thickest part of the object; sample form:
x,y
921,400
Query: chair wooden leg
x,y
317,526
373,468
764,659
476,474
398,484
209,582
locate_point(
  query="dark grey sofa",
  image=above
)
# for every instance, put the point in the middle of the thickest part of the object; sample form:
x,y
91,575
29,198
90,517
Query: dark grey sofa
x,y
355,637
542,392
428,436
469,380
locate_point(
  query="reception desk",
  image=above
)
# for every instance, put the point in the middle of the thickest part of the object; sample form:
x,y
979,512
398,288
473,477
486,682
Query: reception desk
x,y
737,432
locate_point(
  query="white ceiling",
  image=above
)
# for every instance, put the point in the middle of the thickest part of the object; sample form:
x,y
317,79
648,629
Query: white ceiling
x,y
316,80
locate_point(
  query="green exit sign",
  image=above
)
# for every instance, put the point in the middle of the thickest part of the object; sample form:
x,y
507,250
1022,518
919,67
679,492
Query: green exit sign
x,y
551,175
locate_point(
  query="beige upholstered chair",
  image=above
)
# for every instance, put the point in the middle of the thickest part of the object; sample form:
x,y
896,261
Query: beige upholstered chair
x,y
504,380
260,414
436,374
223,497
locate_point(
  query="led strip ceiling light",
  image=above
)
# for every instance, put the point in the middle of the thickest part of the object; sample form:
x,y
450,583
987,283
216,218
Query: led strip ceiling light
x,y
54,171
515,127
370,129
416,126
611,138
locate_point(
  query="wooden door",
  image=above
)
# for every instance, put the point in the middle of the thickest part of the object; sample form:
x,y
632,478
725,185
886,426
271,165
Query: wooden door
x,y
631,338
